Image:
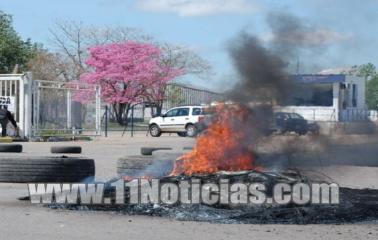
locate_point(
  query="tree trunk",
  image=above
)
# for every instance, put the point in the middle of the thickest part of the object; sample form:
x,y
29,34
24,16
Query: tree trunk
x,y
121,111
159,109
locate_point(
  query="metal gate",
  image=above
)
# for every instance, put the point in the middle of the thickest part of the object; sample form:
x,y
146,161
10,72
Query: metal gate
x,y
61,108
49,108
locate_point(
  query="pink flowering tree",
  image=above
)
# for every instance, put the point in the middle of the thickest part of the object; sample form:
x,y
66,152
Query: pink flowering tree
x,y
128,73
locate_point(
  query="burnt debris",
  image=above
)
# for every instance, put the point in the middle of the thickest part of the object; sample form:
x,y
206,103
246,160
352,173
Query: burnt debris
x,y
355,205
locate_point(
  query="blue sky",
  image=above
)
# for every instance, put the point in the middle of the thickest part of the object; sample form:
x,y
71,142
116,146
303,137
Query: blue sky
x,y
349,28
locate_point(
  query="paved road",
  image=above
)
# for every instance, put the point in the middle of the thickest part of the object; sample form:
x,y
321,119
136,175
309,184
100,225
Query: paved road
x,y
21,220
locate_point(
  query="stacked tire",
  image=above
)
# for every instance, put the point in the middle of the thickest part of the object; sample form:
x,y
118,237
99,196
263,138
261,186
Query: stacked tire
x,y
46,169
60,169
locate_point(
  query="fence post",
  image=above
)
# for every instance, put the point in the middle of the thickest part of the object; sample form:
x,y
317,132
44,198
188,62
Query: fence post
x,y
106,120
69,112
98,110
21,106
37,97
132,121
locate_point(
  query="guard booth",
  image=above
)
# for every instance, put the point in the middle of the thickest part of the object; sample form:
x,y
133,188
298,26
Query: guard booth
x,y
15,92
49,107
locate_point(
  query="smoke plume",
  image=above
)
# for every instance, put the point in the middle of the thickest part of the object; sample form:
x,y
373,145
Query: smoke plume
x,y
263,66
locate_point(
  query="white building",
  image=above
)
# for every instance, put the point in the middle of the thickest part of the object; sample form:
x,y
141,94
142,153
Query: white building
x,y
329,97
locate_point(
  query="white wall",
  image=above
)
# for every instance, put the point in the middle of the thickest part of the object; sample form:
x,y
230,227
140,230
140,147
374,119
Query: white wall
x,y
336,103
360,82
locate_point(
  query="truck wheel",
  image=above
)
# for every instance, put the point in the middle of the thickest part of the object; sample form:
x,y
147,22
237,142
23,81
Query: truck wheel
x,y
191,130
46,169
15,148
155,130
66,149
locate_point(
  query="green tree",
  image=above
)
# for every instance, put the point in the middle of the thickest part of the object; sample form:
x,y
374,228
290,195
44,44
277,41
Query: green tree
x,y
367,70
14,52
372,93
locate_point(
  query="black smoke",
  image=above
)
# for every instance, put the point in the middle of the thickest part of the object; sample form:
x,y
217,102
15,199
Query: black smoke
x,y
263,65
262,73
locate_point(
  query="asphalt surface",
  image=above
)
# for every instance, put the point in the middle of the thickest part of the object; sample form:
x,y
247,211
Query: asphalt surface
x,y
22,220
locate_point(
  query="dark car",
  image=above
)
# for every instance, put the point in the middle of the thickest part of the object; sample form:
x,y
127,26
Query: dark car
x,y
280,123
292,122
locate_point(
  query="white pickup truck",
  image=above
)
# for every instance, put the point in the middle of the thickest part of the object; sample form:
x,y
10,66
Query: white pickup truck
x,y
180,120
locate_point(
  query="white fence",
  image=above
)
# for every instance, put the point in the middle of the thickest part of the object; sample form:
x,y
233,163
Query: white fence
x,y
354,115
373,115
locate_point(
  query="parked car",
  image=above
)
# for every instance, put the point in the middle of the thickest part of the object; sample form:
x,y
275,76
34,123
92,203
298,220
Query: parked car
x,y
180,120
279,123
284,122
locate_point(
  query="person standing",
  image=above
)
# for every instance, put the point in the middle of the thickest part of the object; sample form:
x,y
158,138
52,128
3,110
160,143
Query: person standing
x,y
5,117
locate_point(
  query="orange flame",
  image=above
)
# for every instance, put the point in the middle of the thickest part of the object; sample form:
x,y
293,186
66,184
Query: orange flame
x,y
223,147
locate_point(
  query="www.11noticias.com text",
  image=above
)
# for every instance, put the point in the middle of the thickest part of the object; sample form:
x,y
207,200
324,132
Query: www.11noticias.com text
x,y
143,191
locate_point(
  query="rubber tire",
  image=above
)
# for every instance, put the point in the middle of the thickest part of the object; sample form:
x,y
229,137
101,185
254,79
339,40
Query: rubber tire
x,y
11,148
147,151
46,169
140,165
66,149
301,133
181,134
158,134
189,133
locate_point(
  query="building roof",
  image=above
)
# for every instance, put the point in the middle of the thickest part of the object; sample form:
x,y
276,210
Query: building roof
x,y
337,70
319,78
190,86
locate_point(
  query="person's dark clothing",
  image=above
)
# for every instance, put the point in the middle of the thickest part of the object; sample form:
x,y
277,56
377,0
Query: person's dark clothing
x,y
5,117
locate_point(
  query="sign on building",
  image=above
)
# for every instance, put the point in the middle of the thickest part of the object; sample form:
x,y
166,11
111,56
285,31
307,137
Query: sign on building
x,y
8,101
